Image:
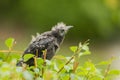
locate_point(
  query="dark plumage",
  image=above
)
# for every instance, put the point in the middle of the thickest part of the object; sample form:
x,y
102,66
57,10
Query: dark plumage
x,y
49,40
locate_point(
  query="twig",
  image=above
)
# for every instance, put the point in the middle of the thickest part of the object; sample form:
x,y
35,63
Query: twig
x,y
76,52
35,64
69,77
36,53
44,61
75,65
35,58
7,56
44,53
65,64
108,68
106,71
6,51
35,61
9,50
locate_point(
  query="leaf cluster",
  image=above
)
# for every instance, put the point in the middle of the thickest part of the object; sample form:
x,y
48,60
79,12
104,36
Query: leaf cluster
x,y
59,68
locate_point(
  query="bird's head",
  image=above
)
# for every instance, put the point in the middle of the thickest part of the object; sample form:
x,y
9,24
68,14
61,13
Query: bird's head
x,y
61,29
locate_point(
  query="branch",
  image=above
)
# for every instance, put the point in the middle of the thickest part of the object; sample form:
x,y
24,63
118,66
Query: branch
x,y
108,68
7,51
65,64
44,61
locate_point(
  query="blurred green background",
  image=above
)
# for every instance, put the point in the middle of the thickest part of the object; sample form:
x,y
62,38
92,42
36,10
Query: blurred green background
x,y
93,19
97,20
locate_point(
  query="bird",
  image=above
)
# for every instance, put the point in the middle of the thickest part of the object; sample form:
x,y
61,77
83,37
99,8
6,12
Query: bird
x,y
49,40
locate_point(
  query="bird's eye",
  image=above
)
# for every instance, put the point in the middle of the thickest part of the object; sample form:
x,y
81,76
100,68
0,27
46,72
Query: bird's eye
x,y
62,31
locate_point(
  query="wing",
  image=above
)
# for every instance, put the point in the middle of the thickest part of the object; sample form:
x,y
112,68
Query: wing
x,y
41,43
44,42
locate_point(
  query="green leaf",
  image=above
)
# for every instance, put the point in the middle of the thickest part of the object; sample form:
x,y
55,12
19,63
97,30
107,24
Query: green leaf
x,y
55,67
114,72
85,47
27,57
36,70
67,68
73,48
104,63
40,62
9,42
27,75
48,62
85,53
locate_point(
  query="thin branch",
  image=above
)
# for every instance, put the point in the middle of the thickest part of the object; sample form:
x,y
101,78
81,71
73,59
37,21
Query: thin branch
x,y
6,51
44,53
108,68
35,61
35,58
8,54
69,77
65,64
36,53
9,50
106,71
76,52
75,65
44,61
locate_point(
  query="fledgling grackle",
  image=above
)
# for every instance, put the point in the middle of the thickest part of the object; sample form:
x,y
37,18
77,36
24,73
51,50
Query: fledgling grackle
x,y
49,40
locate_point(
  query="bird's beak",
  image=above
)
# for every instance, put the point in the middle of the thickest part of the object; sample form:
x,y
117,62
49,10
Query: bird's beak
x,y
68,27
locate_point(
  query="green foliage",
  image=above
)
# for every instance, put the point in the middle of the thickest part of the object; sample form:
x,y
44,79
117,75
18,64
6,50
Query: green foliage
x,y
94,18
27,57
10,42
114,72
73,48
59,68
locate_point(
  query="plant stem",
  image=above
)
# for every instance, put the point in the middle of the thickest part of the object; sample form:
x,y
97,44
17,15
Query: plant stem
x,y
7,51
8,54
36,53
69,77
65,64
44,61
73,56
106,71
108,68
75,65
35,61
35,58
